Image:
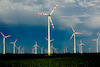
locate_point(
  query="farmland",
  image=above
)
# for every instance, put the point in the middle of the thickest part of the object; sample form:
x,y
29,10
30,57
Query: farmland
x,y
56,60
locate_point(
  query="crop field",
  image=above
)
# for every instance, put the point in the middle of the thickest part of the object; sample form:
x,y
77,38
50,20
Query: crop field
x,y
91,60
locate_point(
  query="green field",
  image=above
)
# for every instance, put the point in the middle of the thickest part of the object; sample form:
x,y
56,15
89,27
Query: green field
x,y
53,62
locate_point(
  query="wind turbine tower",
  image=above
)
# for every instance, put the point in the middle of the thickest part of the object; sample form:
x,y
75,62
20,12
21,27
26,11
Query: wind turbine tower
x,y
14,45
4,37
33,50
49,20
35,46
74,38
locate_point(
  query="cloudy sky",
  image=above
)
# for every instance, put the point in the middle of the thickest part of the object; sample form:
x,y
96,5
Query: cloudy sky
x,y
19,19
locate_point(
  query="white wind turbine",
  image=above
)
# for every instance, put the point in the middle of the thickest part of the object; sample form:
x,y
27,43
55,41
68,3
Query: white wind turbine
x,y
51,48
81,45
49,20
74,38
22,50
97,42
64,51
35,46
89,50
41,50
18,49
45,50
55,50
14,45
4,37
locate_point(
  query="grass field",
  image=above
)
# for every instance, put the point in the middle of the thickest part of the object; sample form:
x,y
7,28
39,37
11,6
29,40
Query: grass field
x,y
68,61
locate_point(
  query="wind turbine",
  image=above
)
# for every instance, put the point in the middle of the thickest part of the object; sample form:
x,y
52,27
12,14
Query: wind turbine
x,y
45,50
81,45
22,50
18,49
4,37
64,51
74,38
14,45
41,50
35,46
89,50
97,42
51,48
55,49
49,20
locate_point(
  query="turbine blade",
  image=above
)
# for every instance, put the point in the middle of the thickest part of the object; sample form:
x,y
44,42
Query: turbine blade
x,y
7,36
72,28
52,40
46,38
54,9
2,34
78,44
42,14
12,42
94,39
15,40
98,37
71,36
78,33
51,22
83,44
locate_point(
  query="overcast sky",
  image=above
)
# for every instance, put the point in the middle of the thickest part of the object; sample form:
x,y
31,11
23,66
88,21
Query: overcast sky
x,y
19,18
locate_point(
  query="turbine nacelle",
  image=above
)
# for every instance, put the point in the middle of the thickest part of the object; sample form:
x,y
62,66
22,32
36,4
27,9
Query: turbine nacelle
x,y
49,15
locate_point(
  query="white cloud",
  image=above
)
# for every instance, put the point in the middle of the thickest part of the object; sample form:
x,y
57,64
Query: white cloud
x,y
69,1
67,22
86,32
93,22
